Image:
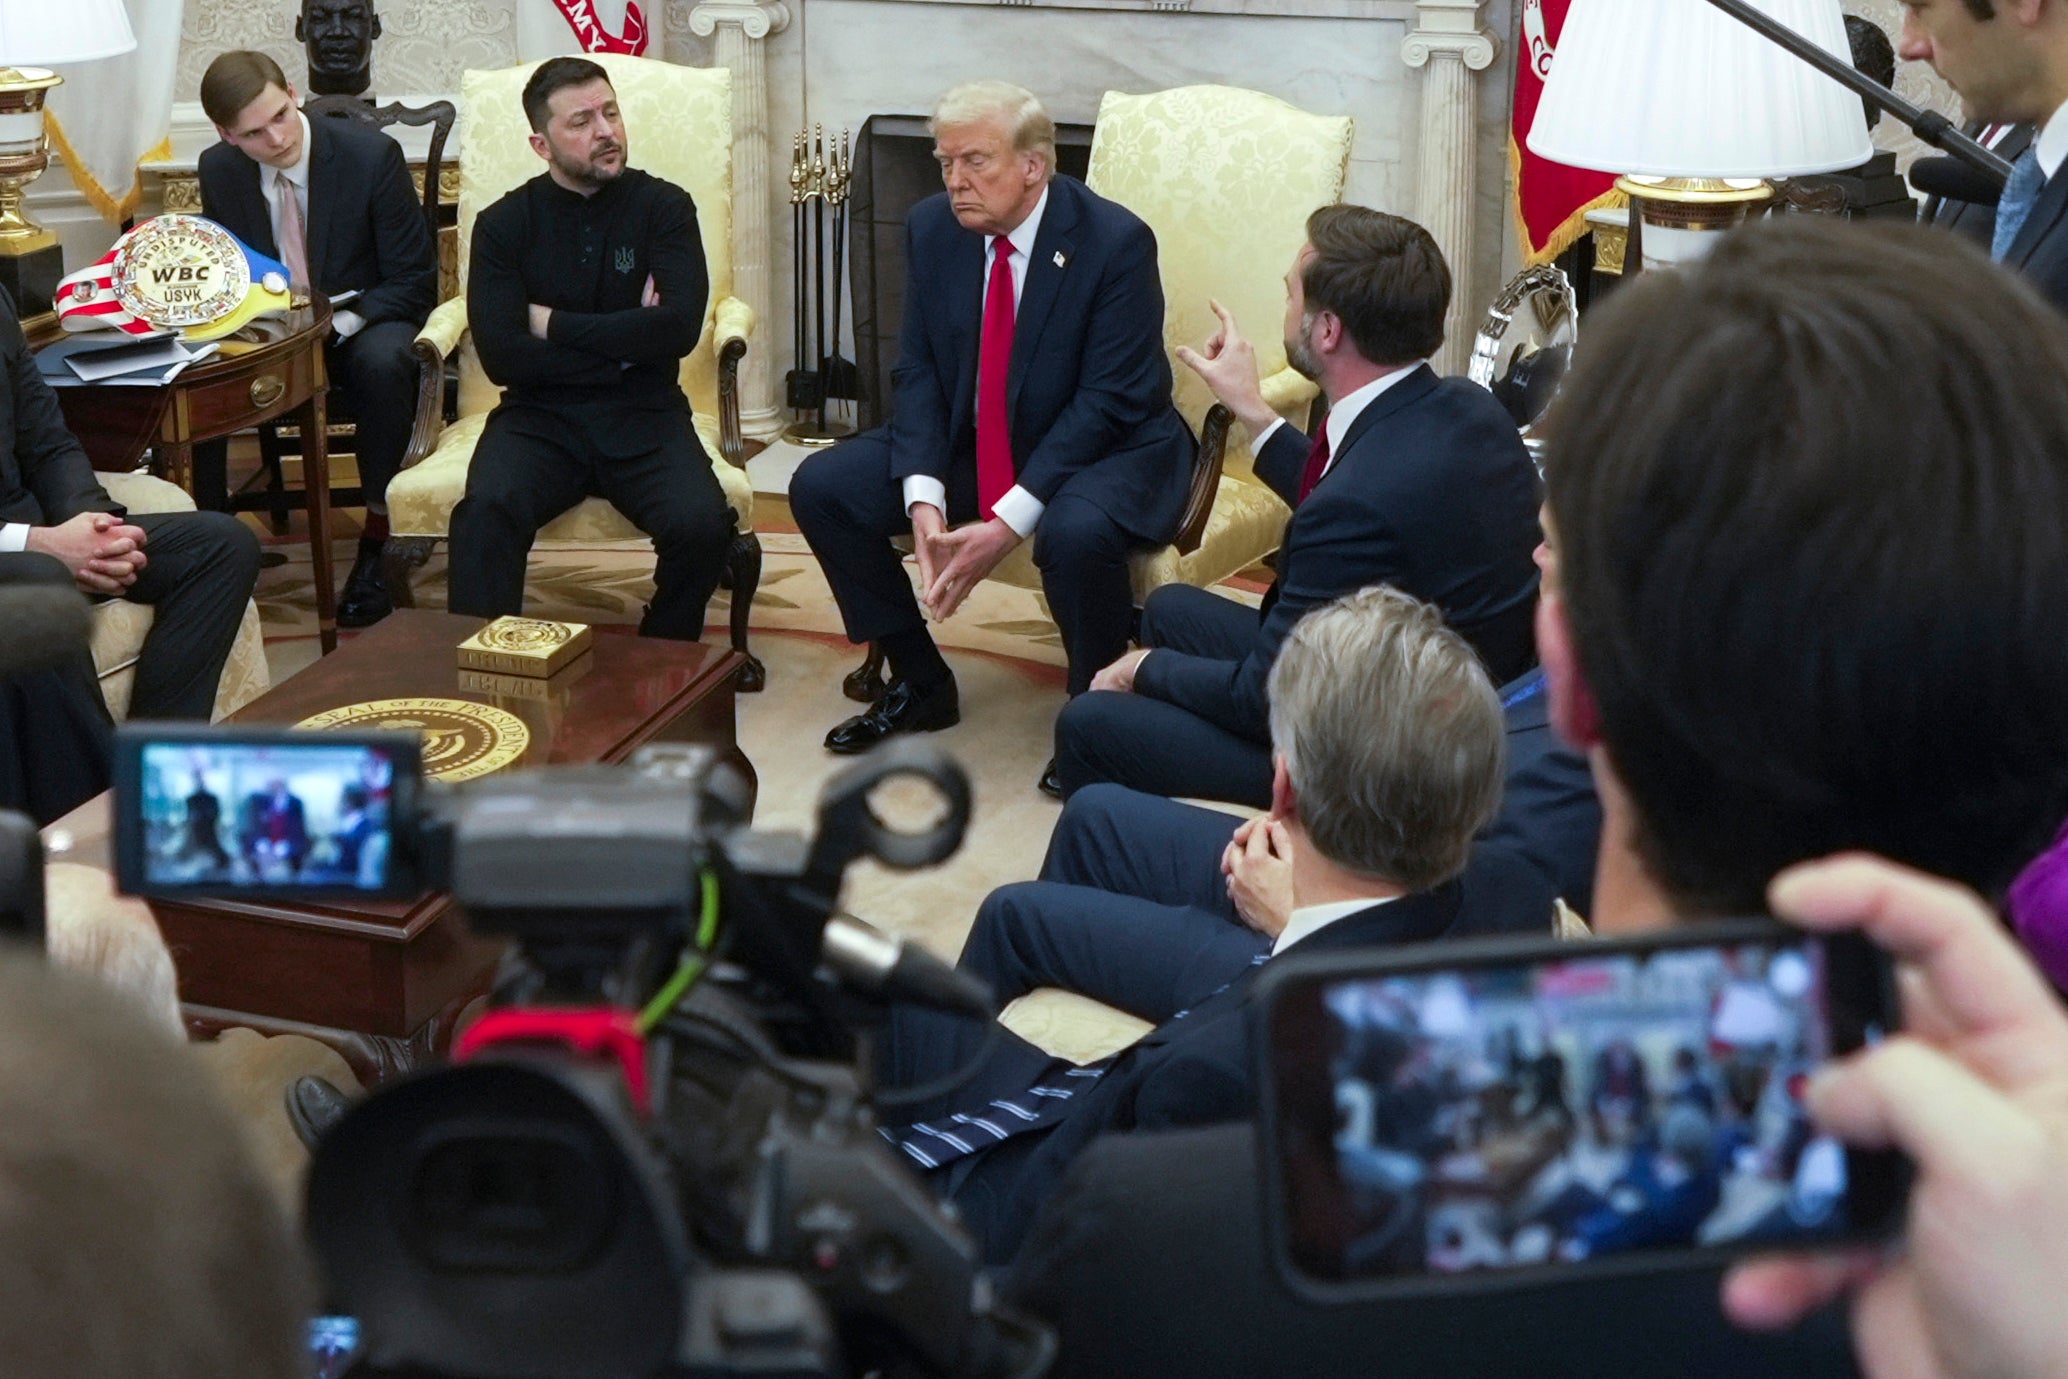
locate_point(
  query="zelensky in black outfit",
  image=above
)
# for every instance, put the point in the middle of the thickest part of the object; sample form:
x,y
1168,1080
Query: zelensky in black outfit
x,y
596,407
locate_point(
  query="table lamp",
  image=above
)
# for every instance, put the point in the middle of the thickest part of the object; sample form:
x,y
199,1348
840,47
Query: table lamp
x,y
36,35
1695,111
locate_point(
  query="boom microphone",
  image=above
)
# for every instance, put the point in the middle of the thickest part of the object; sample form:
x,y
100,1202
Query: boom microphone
x,y
897,970
41,628
1953,180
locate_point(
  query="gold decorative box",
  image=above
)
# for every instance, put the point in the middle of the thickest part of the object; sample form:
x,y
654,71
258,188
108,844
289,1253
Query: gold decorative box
x,y
524,646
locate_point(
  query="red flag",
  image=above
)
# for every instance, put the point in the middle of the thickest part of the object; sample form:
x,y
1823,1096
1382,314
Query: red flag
x,y
1551,199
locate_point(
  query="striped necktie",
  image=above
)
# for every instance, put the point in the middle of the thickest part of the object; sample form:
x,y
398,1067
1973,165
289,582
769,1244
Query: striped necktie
x,y
937,1143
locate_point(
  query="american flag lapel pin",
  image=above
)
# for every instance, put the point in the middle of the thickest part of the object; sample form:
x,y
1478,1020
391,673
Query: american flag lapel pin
x,y
1060,259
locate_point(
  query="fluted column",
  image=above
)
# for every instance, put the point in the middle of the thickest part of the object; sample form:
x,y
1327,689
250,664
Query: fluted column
x,y
742,27
1450,44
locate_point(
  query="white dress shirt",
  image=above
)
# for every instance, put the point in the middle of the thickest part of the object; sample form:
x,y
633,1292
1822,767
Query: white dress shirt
x,y
1311,919
345,323
1018,508
2051,145
1342,414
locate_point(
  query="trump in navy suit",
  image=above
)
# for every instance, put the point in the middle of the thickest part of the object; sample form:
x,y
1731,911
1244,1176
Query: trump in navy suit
x,y
1032,402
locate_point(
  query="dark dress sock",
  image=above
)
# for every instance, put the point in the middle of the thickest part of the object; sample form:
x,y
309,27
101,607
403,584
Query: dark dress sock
x,y
914,657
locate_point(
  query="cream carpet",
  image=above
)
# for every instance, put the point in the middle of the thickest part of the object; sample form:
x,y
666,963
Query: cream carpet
x,y
1006,656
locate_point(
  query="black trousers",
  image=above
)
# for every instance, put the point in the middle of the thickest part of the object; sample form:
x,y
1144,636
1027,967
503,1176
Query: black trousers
x,y
1159,748
199,571
374,376
533,464
377,377
849,507
54,727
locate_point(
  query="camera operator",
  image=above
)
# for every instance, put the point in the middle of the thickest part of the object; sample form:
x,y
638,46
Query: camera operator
x,y
1841,632
1372,819
136,1236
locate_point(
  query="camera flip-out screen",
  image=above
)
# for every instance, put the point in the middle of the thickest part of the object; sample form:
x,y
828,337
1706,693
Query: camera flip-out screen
x,y
277,813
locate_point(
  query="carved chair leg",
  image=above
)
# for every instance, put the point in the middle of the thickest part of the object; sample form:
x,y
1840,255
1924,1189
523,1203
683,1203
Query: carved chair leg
x,y
743,570
865,683
402,557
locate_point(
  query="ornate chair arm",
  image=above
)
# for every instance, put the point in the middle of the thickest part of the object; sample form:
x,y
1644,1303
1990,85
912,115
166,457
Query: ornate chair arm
x,y
433,344
1206,478
731,324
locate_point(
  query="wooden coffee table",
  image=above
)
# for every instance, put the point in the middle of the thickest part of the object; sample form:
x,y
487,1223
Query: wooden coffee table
x,y
384,982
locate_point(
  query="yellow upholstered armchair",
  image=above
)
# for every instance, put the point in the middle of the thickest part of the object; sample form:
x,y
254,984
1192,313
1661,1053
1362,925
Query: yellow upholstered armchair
x,y
678,123
1226,178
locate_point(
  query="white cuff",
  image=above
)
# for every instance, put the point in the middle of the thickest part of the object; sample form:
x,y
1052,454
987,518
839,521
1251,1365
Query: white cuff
x,y
1019,510
1256,445
346,324
924,488
14,536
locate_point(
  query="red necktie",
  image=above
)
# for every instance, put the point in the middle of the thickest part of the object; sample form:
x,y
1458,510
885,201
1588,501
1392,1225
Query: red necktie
x,y
1317,460
995,471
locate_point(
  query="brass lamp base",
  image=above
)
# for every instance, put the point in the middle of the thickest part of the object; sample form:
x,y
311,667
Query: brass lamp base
x,y
1677,219
31,261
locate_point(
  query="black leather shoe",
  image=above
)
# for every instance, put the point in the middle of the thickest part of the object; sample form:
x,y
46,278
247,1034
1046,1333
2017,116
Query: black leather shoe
x,y
902,708
313,1107
1048,783
365,600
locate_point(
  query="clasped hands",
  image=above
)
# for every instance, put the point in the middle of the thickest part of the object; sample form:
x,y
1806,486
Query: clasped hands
x,y
104,553
952,561
1258,866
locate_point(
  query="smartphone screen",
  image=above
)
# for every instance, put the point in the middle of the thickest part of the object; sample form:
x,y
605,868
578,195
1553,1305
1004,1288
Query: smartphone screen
x,y
1573,1105
273,813
333,1346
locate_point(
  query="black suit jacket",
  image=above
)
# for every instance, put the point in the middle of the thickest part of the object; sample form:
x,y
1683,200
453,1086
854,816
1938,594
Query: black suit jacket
x,y
1431,492
1151,1259
1089,387
1200,1069
366,222
1971,219
45,478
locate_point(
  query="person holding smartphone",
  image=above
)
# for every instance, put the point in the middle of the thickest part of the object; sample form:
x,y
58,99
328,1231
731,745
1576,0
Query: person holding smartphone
x,y
1975,1091
1807,547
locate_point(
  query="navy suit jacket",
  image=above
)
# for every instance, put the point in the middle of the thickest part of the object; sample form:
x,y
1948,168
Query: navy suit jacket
x,y
1089,386
45,477
1153,1259
2040,252
1550,816
366,222
1431,492
1200,1070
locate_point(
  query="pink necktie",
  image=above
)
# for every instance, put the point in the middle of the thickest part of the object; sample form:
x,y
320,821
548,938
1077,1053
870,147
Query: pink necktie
x,y
995,472
294,248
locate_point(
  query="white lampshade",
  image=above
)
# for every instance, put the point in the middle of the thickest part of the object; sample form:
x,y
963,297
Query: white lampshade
x,y
1678,88
57,33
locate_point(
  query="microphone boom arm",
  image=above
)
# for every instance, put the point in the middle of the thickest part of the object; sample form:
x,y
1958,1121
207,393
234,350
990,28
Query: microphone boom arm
x,y
1929,125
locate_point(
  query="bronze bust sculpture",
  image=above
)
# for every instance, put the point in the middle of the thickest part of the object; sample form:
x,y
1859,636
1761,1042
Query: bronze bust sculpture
x,y
338,35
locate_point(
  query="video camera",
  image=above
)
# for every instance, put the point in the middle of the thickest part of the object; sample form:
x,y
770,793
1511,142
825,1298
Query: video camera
x,y
656,1153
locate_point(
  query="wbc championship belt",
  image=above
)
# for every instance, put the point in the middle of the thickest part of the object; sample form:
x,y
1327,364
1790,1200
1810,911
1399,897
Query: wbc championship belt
x,y
176,272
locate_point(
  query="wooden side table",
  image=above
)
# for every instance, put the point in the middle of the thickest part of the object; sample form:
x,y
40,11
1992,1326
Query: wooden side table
x,y
214,399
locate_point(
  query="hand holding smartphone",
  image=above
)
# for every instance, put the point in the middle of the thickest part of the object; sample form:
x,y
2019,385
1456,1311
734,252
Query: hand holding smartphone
x,y
1464,1113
